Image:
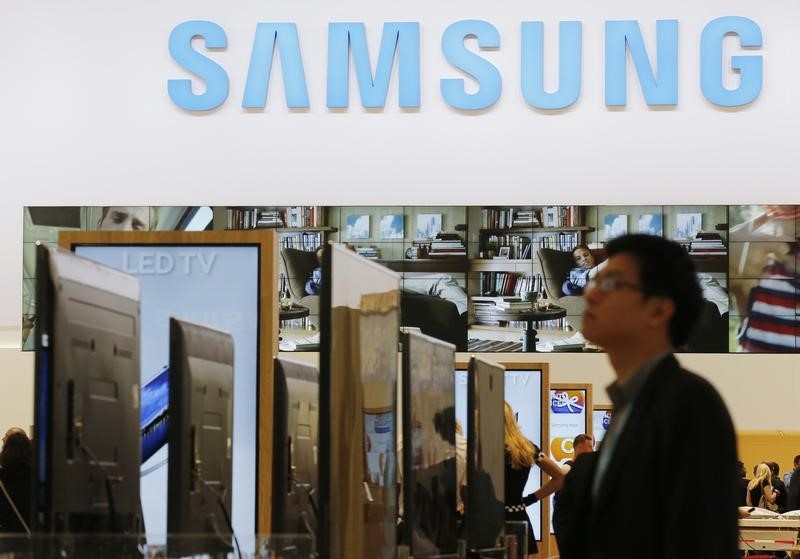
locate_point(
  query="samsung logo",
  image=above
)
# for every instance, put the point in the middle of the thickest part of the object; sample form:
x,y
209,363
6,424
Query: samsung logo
x,y
400,52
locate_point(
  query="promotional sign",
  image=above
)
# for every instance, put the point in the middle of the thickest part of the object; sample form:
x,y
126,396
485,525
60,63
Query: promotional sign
x,y
601,419
569,417
524,394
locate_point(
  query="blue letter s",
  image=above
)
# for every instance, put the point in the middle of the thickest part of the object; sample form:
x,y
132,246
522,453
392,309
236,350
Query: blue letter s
x,y
180,47
489,81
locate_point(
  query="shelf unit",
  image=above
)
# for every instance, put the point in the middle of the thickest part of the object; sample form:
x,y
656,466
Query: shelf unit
x,y
519,231
310,233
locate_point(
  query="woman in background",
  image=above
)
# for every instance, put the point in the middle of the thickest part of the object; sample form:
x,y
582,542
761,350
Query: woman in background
x,y
520,455
760,492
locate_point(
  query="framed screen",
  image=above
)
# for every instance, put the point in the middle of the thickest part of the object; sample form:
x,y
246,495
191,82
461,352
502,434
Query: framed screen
x,y
227,281
430,470
485,502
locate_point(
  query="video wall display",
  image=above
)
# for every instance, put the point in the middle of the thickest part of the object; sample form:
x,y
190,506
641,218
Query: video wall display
x,y
43,224
478,276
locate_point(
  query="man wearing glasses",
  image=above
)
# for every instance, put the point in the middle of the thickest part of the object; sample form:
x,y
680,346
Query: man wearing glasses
x,y
643,493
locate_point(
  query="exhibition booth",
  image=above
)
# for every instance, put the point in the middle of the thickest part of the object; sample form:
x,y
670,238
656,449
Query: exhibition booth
x,y
448,160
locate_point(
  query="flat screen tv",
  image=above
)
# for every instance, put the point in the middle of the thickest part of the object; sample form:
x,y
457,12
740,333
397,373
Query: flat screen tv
x,y
485,505
430,472
200,439
296,440
86,409
360,319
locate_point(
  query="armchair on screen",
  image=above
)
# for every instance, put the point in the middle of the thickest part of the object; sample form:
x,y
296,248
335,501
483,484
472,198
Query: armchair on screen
x,y
556,265
298,265
709,334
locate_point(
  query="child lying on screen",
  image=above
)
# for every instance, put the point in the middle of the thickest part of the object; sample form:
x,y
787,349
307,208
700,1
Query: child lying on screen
x,y
580,275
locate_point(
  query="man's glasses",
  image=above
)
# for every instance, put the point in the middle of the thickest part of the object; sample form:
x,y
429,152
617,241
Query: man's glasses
x,y
608,284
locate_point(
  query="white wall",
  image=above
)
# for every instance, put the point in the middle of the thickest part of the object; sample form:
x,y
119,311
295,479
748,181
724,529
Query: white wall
x,y
85,117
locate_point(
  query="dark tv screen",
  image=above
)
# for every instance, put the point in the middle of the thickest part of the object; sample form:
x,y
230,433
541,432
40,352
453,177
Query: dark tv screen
x,y
485,506
430,470
295,465
200,439
86,380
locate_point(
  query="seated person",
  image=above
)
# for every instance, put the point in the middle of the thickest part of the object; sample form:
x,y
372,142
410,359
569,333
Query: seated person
x,y
580,275
314,283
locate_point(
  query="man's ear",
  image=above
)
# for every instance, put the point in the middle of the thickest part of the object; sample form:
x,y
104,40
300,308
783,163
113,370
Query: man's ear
x,y
661,311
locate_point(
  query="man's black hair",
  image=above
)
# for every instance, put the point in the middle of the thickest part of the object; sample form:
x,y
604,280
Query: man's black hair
x,y
665,270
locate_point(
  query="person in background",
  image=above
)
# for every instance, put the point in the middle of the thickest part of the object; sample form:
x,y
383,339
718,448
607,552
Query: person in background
x,y
128,218
760,492
581,444
15,475
787,477
520,456
584,270
744,482
793,489
778,485
630,498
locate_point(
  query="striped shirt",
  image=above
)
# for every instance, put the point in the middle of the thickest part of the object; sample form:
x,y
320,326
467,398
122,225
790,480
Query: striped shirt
x,y
773,322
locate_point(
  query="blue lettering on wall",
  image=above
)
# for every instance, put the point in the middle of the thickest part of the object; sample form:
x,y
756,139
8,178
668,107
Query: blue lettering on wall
x,y
400,38
569,65
624,36
400,50
489,81
270,36
750,68
216,80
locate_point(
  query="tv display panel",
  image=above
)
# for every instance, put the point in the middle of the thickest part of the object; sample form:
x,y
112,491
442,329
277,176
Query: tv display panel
x,y
86,379
485,506
215,285
295,464
358,371
430,469
523,391
200,441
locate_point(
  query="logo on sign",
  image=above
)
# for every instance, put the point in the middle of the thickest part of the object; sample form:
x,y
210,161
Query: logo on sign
x,y
561,449
567,401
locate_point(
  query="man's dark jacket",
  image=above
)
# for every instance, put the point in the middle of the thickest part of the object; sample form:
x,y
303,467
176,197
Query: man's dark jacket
x,y
656,499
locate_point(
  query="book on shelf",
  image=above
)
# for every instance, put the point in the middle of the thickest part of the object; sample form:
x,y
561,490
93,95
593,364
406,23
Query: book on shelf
x,y
494,299
293,216
707,243
446,245
304,216
306,240
367,252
